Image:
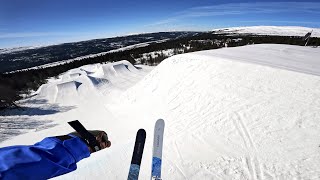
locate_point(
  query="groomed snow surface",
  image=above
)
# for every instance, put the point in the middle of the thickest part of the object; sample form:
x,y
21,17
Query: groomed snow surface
x,y
248,112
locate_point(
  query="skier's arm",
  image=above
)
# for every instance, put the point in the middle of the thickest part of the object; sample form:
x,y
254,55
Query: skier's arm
x,y
51,157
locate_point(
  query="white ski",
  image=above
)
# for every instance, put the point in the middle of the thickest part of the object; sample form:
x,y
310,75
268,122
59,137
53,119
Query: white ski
x,y
157,149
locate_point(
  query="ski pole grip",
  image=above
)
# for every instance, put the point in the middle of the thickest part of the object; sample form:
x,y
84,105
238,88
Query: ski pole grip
x,y
85,134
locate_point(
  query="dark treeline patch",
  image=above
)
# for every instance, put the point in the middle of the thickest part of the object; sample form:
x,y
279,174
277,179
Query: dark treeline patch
x,y
14,84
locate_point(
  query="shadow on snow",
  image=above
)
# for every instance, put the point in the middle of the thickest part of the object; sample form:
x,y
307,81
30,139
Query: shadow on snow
x,y
39,108
14,122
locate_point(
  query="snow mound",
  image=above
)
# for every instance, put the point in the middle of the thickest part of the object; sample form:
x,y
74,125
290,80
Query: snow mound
x,y
67,91
116,69
82,83
271,30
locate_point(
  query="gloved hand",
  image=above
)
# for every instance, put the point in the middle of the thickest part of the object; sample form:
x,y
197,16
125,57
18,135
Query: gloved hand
x,y
101,137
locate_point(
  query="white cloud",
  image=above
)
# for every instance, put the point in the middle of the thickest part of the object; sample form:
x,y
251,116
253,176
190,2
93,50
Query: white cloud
x,y
4,35
243,8
288,22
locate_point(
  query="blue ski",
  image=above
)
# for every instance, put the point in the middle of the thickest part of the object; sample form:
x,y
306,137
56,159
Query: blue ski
x,y
137,155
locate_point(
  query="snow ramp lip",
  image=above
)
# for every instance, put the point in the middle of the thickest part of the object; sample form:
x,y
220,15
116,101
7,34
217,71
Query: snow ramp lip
x,y
98,81
86,71
69,85
121,67
127,64
74,75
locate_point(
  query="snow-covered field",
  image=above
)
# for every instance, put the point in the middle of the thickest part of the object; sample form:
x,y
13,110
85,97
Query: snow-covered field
x,y
247,112
16,49
271,30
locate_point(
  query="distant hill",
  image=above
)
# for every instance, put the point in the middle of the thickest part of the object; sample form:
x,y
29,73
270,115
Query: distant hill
x,y
12,59
270,30
26,57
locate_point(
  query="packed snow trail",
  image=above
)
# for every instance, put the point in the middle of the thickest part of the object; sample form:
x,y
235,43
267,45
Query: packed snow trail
x,y
276,55
237,113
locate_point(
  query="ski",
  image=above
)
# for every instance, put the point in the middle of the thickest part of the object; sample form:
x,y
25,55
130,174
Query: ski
x,y
157,150
137,155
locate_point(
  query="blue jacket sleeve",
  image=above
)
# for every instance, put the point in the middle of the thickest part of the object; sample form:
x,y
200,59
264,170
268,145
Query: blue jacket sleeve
x,y
46,159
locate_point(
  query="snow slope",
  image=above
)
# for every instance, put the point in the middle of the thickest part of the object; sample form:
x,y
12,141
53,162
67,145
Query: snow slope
x,y
248,112
271,30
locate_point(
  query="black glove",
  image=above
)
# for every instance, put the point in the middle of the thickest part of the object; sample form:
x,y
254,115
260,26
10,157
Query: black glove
x,y
101,137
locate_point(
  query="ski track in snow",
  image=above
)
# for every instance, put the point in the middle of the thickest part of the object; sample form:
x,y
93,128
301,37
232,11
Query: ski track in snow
x,y
253,163
234,113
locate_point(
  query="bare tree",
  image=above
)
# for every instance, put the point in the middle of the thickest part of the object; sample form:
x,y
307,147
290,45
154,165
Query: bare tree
x,y
8,96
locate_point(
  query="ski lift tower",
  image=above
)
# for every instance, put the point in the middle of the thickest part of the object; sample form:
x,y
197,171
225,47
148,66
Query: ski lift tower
x,y
307,37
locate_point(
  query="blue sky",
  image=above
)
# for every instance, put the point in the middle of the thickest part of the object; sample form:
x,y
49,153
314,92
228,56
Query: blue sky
x,y
43,22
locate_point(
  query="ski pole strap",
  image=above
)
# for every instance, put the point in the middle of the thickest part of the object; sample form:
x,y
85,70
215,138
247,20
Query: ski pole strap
x,y
85,134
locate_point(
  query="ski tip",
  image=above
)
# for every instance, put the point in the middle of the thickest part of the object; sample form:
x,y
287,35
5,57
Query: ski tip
x,y
160,121
141,131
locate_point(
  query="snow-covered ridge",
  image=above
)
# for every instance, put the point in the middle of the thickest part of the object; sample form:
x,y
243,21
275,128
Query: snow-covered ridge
x,y
16,49
271,30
